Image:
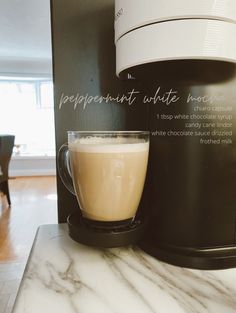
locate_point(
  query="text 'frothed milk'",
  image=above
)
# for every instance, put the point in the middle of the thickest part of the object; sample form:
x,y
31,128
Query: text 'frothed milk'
x,y
109,176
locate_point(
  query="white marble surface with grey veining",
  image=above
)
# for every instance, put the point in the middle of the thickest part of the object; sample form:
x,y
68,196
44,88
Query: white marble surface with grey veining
x,y
63,276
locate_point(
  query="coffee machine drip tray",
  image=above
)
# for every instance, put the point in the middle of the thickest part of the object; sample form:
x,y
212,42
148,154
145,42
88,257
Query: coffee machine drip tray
x,y
105,235
198,258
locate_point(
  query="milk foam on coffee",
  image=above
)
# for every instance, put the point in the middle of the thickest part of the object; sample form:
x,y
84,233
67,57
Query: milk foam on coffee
x,y
109,176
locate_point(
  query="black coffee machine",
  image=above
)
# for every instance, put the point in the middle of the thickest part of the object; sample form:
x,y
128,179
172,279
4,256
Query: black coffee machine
x,y
192,166
185,98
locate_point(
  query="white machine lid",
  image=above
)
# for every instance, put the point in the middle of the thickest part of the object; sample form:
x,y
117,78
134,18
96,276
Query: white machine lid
x,y
131,14
195,39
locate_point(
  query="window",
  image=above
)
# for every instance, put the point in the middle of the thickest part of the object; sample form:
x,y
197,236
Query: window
x,y
26,110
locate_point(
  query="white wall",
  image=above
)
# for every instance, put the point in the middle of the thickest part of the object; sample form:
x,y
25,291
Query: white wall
x,y
32,166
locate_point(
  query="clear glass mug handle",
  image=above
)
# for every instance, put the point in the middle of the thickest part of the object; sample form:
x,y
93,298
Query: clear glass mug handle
x,y
64,170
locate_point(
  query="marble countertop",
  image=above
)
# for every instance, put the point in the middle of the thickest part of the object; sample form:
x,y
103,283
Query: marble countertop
x,y
63,276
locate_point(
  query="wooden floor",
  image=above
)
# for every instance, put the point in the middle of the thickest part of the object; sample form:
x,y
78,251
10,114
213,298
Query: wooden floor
x,y
33,203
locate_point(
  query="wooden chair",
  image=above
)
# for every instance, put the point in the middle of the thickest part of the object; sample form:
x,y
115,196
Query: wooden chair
x,y
6,147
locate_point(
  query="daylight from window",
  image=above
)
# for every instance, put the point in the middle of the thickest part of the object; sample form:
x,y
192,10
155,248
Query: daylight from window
x,y
26,111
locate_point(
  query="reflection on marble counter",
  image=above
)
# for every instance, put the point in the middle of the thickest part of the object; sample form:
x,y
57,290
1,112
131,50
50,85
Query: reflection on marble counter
x,y
63,276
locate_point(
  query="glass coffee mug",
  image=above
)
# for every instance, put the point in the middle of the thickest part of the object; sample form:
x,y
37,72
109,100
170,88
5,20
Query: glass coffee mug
x,y
108,170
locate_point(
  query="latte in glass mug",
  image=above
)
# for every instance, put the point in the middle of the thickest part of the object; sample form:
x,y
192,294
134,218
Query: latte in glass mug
x,y
108,175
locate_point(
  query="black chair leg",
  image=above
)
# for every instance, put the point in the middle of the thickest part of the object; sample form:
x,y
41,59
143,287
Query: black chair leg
x,y
5,189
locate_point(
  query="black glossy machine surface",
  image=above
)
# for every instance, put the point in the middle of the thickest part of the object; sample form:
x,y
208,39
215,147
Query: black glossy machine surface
x,y
192,185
